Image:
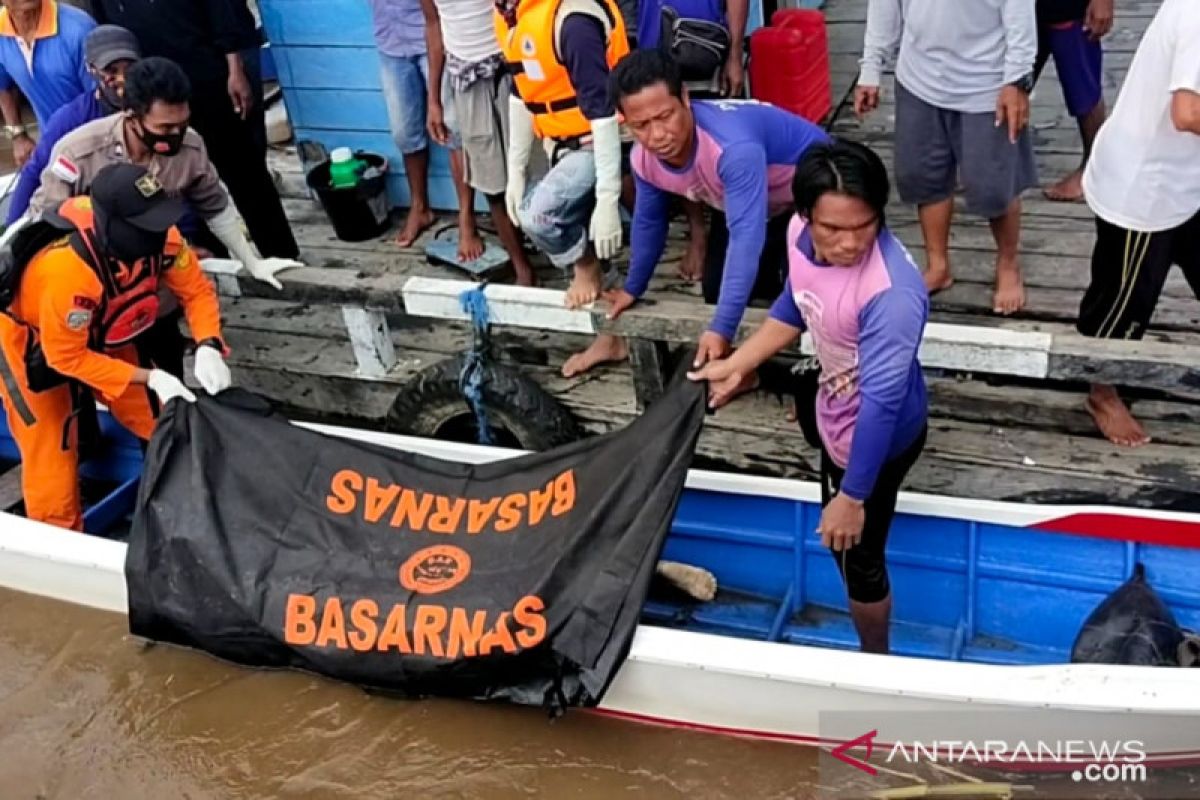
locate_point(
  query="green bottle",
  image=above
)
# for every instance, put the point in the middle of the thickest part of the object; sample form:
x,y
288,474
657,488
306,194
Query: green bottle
x,y
344,168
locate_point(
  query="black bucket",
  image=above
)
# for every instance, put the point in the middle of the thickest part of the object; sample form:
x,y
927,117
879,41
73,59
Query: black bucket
x,y
357,213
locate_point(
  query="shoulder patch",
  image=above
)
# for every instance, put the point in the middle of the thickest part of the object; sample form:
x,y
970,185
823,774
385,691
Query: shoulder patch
x,y
78,319
65,169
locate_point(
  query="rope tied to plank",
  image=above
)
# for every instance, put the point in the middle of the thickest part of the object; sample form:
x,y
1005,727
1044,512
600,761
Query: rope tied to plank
x,y
472,377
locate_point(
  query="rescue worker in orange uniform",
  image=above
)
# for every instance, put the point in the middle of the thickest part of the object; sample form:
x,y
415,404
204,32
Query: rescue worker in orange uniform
x,y
76,307
560,53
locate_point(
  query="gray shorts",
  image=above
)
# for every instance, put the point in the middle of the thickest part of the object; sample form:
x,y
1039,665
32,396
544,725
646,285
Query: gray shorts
x,y
481,119
935,148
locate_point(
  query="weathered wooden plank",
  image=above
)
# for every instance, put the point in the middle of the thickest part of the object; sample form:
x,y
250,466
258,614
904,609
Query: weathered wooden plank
x,y
1060,305
648,363
963,458
370,339
10,488
1054,411
1061,355
1002,404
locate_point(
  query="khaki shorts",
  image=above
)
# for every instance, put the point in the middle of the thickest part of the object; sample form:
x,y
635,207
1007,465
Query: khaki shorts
x,y
481,119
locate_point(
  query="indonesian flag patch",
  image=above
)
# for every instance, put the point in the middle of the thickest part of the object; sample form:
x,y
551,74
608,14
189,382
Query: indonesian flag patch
x,y
65,169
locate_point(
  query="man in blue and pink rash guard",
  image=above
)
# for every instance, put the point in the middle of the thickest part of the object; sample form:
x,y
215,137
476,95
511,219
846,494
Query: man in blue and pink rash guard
x,y
854,288
736,157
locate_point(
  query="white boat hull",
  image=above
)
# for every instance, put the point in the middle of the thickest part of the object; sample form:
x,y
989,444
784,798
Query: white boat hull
x,y
777,691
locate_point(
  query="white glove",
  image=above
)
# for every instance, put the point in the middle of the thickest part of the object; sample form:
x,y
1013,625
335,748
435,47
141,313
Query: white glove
x,y
211,370
264,269
168,387
227,227
605,228
520,145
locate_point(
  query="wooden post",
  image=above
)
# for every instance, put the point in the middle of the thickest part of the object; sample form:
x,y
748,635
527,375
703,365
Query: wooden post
x,y
648,359
371,339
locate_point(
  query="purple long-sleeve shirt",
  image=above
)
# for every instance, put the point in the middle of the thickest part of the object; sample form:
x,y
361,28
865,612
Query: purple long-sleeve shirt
x,y
866,323
80,111
744,158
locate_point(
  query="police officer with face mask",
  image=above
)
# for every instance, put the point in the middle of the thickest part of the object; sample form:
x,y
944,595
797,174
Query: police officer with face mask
x,y
153,132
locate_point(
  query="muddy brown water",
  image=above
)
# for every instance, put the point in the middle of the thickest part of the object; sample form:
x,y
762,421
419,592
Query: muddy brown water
x,y
86,711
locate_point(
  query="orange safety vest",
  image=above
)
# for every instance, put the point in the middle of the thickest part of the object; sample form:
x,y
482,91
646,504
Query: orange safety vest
x,y
539,75
130,305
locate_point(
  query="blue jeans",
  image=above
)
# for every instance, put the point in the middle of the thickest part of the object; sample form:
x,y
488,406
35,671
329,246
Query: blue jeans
x,y
405,91
556,211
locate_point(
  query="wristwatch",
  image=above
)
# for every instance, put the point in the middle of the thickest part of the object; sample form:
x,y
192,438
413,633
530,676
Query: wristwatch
x,y
13,131
1024,83
215,343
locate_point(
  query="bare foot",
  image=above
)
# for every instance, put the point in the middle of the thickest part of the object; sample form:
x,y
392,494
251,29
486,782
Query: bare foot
x,y
605,349
414,225
697,582
470,246
691,266
1067,190
937,274
1009,296
1114,419
585,286
524,272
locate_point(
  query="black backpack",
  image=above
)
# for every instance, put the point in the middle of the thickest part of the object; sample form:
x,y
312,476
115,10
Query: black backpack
x,y
20,249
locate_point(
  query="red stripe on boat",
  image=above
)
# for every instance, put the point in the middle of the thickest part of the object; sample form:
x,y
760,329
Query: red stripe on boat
x,y
1127,528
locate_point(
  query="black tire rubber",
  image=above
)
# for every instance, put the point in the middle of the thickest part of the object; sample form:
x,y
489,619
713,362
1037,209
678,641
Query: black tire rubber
x,y
520,412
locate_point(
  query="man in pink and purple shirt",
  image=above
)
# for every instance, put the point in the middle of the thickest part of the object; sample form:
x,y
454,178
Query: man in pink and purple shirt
x,y
737,157
854,288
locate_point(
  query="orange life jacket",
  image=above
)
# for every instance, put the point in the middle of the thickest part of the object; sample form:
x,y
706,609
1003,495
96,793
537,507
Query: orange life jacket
x,y
130,305
538,72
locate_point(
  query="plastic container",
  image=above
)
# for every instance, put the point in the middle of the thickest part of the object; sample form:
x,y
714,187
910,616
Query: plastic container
x,y
344,168
358,212
789,63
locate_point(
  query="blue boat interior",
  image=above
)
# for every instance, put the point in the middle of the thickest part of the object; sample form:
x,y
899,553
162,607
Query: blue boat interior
x,y
962,590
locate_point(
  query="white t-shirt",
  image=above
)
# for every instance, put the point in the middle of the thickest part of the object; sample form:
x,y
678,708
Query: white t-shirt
x,y
467,29
1144,174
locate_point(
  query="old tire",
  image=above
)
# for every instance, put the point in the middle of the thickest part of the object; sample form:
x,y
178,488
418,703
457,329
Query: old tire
x,y
520,413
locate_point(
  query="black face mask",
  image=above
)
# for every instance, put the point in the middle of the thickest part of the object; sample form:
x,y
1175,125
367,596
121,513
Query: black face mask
x,y
111,98
162,144
126,243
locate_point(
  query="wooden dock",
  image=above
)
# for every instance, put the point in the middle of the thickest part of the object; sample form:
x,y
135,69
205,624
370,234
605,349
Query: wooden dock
x,y
993,436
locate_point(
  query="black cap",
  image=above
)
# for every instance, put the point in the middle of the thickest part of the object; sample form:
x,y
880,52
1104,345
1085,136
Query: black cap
x,y
107,44
130,193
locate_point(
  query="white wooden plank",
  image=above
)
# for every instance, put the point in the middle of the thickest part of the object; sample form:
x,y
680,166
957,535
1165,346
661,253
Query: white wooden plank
x,y
509,305
966,348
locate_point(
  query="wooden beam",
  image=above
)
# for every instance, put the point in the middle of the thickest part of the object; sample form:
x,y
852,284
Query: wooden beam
x,y
1056,353
371,340
648,359
956,347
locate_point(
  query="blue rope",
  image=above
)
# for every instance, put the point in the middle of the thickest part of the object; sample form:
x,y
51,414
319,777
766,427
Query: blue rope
x,y
470,381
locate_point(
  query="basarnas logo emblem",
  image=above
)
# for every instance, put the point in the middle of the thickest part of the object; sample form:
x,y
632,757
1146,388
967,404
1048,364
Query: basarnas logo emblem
x,y
435,569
